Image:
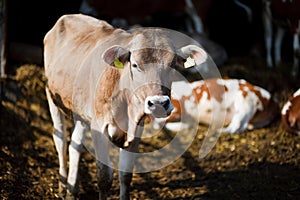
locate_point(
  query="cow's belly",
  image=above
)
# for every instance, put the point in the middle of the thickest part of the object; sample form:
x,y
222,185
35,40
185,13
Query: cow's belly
x,y
69,92
60,86
214,112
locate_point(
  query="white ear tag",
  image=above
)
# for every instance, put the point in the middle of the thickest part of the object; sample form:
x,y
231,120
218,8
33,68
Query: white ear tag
x,y
190,62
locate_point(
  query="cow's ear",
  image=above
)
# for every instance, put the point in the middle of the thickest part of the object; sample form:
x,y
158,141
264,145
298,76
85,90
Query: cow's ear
x,y
116,56
192,55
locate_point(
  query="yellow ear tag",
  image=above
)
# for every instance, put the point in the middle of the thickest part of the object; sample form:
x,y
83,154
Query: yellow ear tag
x,y
190,62
118,63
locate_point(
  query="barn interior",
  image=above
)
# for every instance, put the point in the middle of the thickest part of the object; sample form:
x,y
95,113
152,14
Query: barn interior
x,y
258,164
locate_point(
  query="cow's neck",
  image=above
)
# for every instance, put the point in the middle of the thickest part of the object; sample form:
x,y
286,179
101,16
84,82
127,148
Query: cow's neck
x,y
128,115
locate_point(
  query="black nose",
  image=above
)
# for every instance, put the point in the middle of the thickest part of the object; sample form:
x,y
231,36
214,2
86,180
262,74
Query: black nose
x,y
166,103
158,106
157,103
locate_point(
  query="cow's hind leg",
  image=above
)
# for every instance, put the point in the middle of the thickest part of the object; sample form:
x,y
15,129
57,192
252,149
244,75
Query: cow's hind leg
x,y
75,149
239,121
60,141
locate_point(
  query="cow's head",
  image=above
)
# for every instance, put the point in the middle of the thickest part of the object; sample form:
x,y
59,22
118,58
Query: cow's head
x,y
148,64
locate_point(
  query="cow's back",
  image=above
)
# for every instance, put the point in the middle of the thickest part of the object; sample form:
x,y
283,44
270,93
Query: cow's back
x,y
73,33
72,53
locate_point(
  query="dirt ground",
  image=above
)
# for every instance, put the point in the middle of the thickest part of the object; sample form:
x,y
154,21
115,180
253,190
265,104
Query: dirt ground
x,y
259,164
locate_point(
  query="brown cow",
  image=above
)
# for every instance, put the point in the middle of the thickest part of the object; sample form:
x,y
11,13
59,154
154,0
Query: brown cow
x,y
109,79
290,114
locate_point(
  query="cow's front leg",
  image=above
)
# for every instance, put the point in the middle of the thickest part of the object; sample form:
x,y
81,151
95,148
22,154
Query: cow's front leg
x,y
126,164
104,171
105,179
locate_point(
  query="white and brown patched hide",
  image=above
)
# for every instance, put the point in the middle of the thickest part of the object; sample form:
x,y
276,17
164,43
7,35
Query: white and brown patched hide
x,y
247,106
290,114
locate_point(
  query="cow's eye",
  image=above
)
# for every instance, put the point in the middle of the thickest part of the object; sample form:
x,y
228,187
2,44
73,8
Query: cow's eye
x,y
136,67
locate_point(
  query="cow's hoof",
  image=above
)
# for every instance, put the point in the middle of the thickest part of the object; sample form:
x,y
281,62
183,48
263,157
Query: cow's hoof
x,y
62,190
71,196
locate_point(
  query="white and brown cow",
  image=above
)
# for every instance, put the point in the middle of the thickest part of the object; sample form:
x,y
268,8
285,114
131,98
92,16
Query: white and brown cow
x,y
247,106
285,16
109,79
290,114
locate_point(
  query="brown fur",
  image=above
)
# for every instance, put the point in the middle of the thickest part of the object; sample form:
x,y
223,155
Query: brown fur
x,y
290,122
80,78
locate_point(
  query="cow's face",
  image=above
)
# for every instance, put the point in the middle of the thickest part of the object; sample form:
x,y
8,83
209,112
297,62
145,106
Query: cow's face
x,y
148,72
151,76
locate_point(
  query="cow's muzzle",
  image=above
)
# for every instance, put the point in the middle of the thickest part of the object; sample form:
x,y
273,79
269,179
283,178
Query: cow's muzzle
x,y
158,106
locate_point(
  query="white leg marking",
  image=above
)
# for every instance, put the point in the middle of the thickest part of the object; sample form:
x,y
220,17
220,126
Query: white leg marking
x,y
75,149
233,127
60,139
176,126
244,111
